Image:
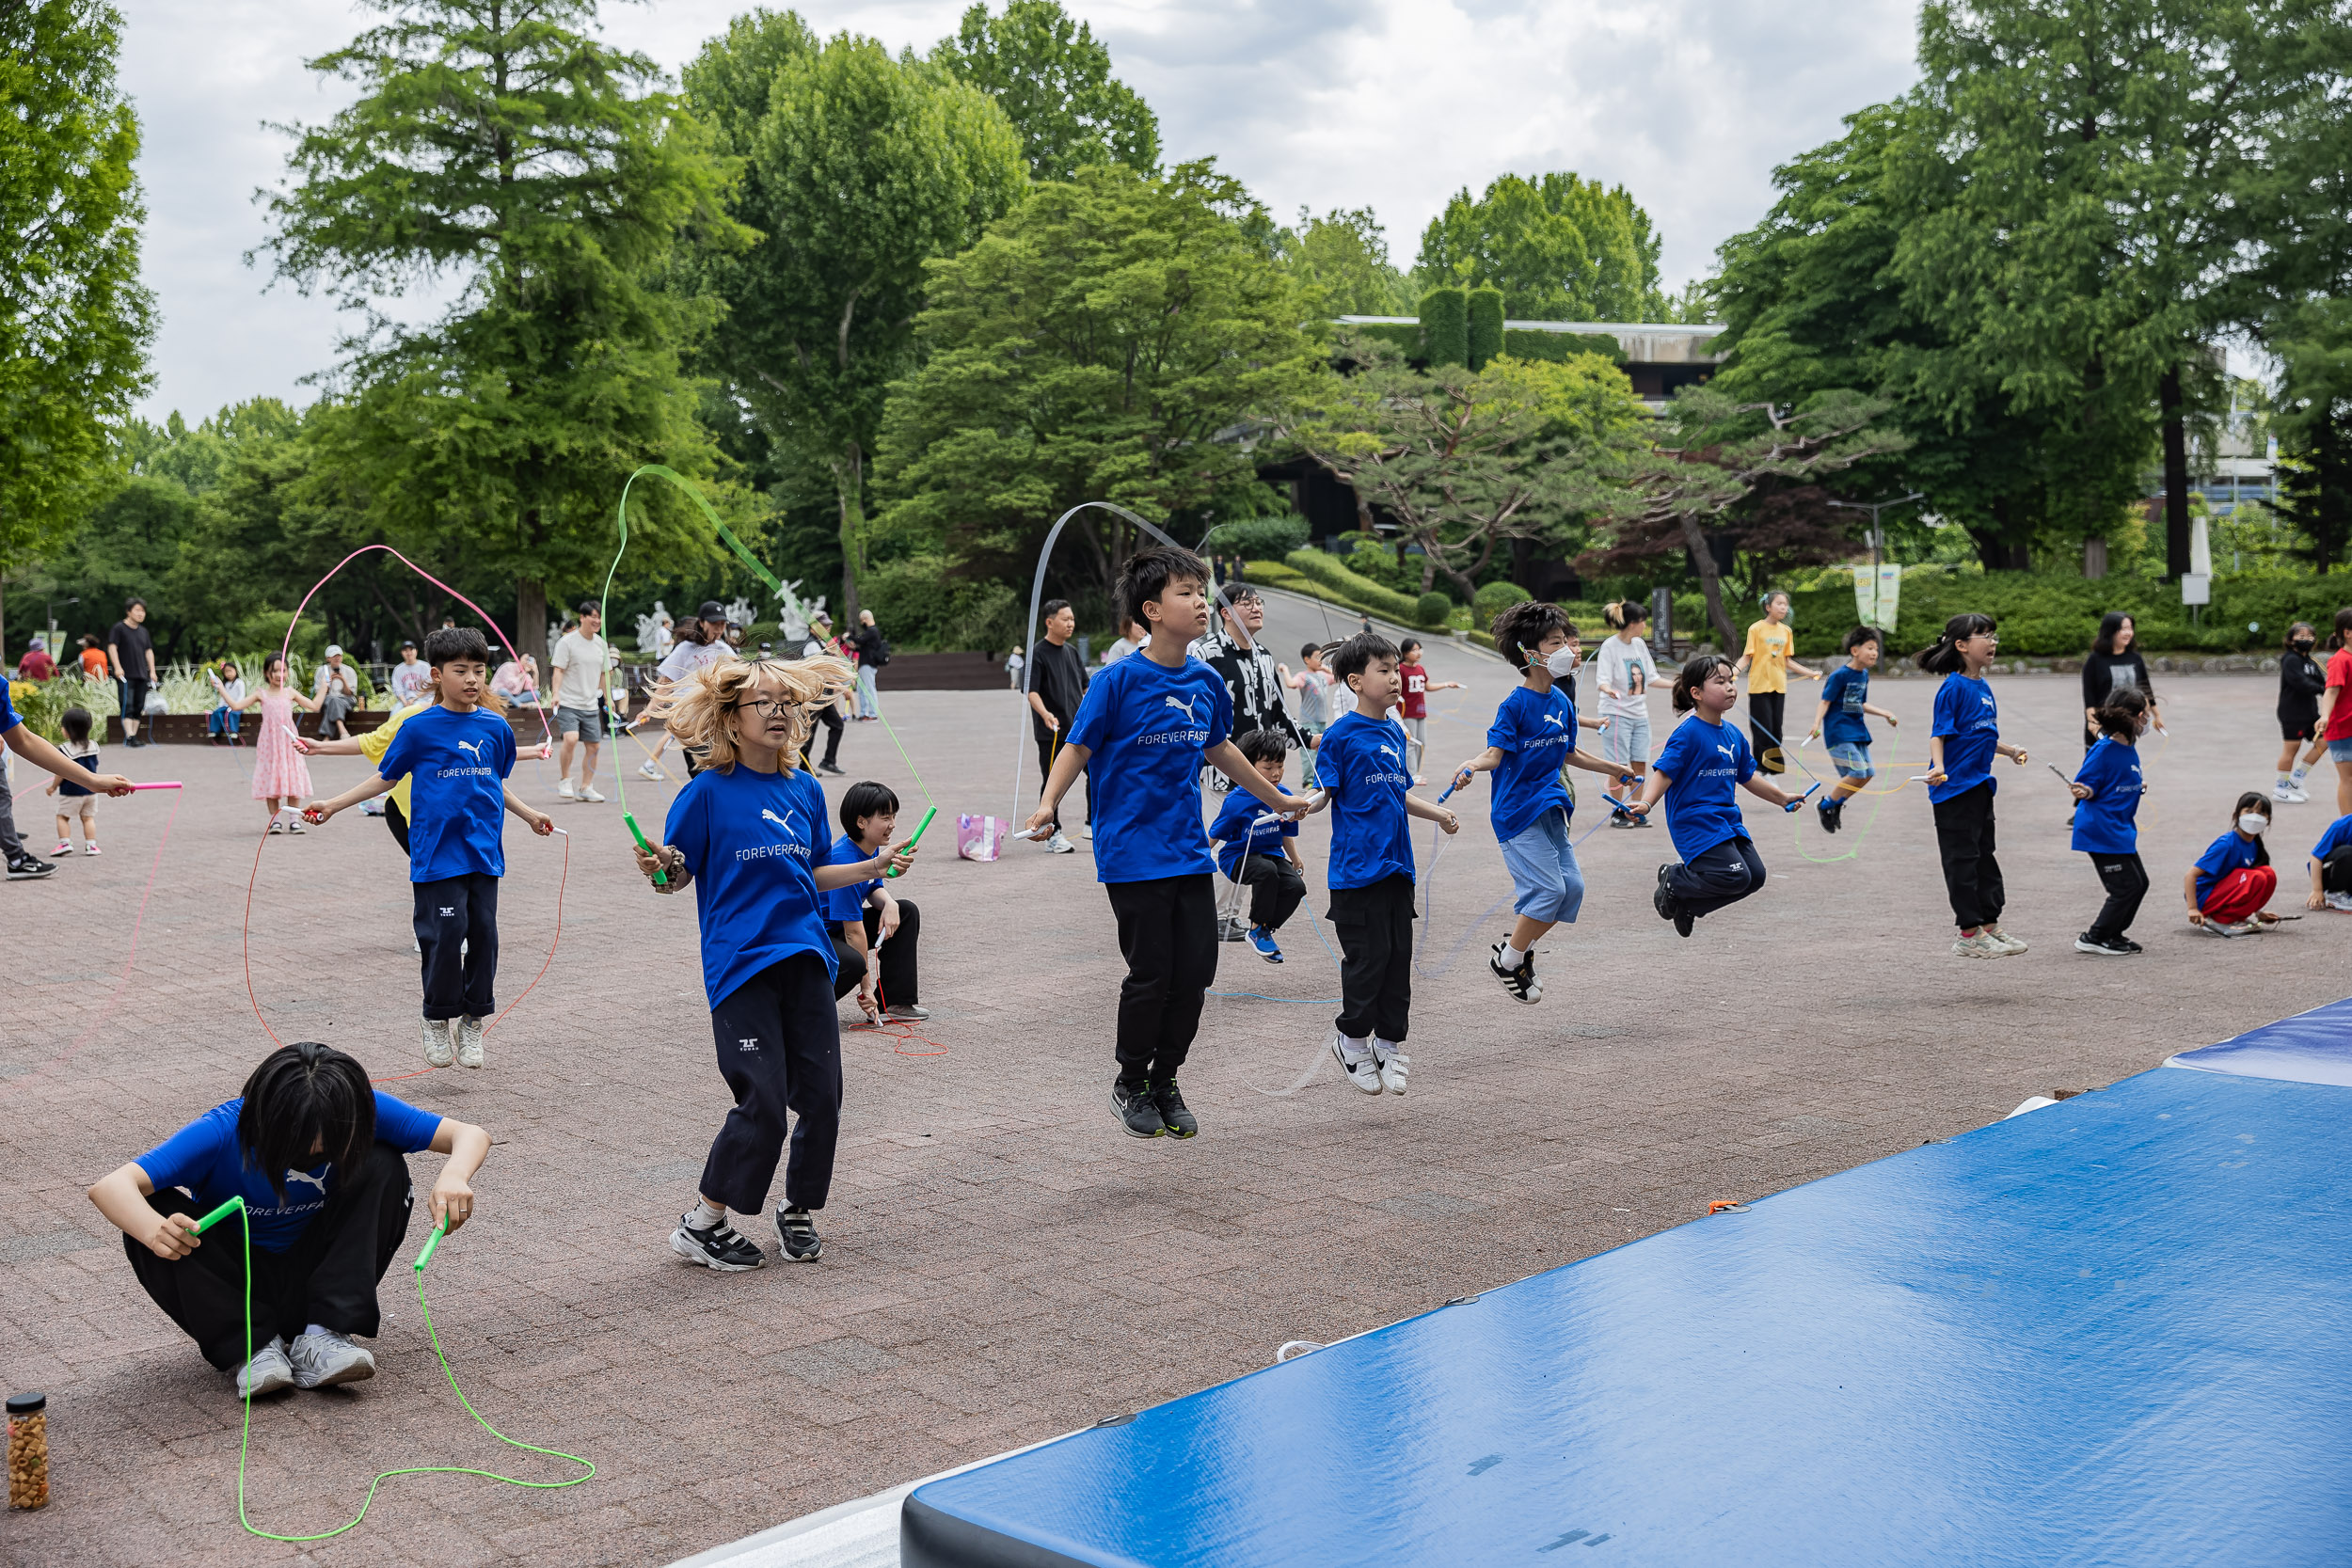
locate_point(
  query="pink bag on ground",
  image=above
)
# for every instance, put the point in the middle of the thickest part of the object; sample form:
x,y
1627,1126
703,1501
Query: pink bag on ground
x,y
980,838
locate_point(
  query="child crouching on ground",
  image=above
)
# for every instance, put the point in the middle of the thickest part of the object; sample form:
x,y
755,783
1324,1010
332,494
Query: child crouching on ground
x,y
868,915
1361,768
1261,856
2233,878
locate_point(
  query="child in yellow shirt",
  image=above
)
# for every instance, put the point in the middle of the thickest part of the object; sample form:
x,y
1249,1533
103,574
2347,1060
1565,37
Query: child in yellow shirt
x,y
1766,662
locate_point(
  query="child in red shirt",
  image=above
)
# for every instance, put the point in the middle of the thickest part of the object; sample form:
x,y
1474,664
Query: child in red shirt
x,y
1416,686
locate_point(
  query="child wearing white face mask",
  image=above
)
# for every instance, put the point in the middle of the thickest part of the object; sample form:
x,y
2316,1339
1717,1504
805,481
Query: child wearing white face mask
x,y
1530,746
2233,878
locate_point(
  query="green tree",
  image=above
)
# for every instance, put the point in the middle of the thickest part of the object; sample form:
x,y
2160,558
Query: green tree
x,y
858,170
499,144
1054,81
1560,248
1466,462
1108,340
1341,262
75,324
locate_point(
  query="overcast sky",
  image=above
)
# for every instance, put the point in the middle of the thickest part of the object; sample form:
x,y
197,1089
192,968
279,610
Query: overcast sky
x,y
1392,104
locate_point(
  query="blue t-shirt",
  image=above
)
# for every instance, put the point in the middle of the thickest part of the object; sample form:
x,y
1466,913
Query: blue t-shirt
x,y
1145,727
2232,851
1970,724
1704,764
457,797
8,719
1845,692
848,903
754,842
2339,833
1235,837
206,1159
2104,824
1535,732
1361,762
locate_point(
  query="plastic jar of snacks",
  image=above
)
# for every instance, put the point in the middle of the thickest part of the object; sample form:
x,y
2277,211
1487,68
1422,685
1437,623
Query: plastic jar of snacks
x,y
28,1450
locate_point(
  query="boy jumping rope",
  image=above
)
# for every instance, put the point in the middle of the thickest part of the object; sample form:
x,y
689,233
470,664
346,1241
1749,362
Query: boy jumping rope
x,y
1153,718
1845,705
1362,771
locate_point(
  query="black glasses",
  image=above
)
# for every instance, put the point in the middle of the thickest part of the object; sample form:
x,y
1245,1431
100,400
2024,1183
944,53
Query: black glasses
x,y
765,708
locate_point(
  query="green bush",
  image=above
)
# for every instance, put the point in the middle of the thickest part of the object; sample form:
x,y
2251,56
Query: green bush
x,y
1326,572
1485,332
921,609
1258,538
1375,560
1432,610
1405,337
1445,327
1522,343
1496,597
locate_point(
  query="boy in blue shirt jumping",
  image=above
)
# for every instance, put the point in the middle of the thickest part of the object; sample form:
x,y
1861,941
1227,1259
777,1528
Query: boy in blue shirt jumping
x,y
1845,706
1361,768
1147,724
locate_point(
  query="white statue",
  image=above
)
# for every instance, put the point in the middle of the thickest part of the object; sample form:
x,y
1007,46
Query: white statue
x,y
739,611
794,614
652,630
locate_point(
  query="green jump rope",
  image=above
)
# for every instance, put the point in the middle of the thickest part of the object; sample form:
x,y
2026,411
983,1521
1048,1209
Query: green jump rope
x,y
244,1440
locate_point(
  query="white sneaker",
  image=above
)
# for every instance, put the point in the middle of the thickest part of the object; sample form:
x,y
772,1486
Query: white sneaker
x,y
267,1372
469,1042
1394,1065
2002,939
1978,946
1060,846
2294,795
2341,901
323,1359
649,770
439,1050
1363,1070
1086,833
588,792
564,789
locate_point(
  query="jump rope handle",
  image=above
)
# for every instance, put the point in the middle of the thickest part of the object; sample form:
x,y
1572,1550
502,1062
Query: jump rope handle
x,y
928,814
440,1228
660,879
220,1214
1801,799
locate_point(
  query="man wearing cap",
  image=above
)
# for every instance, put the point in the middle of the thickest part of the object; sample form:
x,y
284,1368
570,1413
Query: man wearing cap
x,y
582,661
701,642
337,690
411,677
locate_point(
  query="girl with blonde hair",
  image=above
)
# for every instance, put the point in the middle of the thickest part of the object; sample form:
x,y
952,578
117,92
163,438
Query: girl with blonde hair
x,y
750,833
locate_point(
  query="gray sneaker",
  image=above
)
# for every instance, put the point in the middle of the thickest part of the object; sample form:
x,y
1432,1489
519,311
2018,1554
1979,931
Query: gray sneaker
x,y
2002,939
1060,846
266,1373
440,1043
1978,946
469,1043
323,1359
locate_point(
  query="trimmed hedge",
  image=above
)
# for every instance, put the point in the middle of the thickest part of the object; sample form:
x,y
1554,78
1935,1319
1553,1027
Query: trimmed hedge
x,y
1445,327
1484,339
1493,600
1337,582
1432,609
1521,342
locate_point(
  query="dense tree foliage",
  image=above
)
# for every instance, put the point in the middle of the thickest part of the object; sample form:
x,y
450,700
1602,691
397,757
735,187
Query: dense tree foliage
x,y
1054,81
1560,248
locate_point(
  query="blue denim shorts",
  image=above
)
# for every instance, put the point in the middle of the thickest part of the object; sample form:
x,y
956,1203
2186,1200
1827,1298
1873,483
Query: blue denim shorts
x,y
2340,751
1853,762
1544,873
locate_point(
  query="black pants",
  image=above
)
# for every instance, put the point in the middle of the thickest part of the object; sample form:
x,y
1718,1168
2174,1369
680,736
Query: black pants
x,y
1375,926
899,988
1714,877
1766,727
397,820
779,1050
458,925
12,847
1964,836
833,726
327,1277
1167,934
1046,751
2335,872
2126,881
1276,889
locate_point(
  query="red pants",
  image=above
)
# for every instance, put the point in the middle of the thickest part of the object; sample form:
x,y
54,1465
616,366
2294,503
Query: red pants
x,y
2237,896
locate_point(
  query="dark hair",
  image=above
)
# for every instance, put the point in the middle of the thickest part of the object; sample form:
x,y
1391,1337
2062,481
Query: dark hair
x,y
2343,633
451,644
1312,650
1265,745
2110,624
590,607
1147,575
1621,613
271,661
1766,602
1693,674
304,1094
1518,629
2253,800
862,799
1942,656
2120,714
1051,608
75,722
1860,635
2300,625
1355,656
1405,645
133,604
1239,593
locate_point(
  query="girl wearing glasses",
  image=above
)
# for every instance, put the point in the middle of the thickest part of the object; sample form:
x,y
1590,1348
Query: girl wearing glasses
x,y
1963,739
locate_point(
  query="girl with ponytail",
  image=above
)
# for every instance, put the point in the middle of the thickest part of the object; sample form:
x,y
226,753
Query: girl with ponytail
x,y
2107,794
1626,671
1962,742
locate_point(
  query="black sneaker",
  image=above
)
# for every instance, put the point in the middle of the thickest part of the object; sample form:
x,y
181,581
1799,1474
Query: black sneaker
x,y
2130,945
25,868
1662,898
1136,1110
1519,982
1833,815
2106,947
720,1247
1169,1101
796,1233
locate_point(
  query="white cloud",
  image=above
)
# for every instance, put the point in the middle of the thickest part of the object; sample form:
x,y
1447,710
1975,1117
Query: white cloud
x,y
1389,104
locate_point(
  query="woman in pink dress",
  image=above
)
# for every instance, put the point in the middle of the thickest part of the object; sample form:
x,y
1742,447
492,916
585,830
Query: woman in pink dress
x,y
280,774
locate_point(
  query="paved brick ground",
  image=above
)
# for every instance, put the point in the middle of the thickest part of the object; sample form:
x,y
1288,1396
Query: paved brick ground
x,y
1000,1263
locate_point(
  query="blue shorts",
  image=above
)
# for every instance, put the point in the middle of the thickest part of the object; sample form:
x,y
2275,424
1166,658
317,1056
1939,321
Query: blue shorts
x,y
2340,751
1853,762
1543,868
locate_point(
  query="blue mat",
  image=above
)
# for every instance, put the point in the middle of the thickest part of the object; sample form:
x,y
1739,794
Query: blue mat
x,y
2308,1048
2116,1330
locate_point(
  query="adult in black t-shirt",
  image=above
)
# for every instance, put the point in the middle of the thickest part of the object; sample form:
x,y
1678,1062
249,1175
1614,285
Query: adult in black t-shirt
x,y
131,652
2113,665
1058,680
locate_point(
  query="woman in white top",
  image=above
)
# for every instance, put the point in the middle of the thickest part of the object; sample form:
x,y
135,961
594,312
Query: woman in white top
x,y
700,642
1623,678
1130,638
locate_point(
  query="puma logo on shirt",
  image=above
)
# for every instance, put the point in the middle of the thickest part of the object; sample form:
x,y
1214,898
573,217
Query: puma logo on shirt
x,y
791,845
1553,720
1193,736
1182,706
316,1182
472,747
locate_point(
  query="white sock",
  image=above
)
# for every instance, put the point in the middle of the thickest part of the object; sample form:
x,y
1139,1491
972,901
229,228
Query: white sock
x,y
1513,952
2295,778
703,1216
1383,1050
309,1329
1355,1047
